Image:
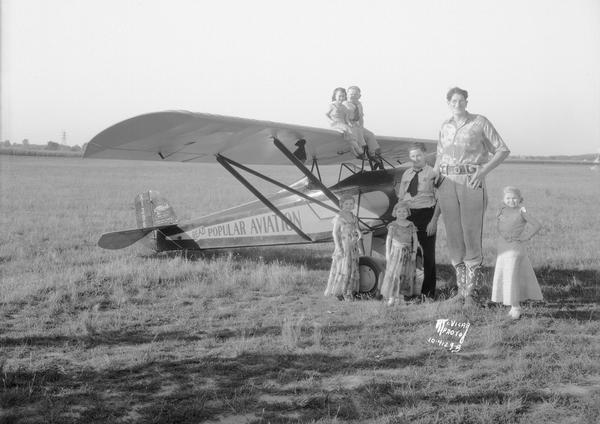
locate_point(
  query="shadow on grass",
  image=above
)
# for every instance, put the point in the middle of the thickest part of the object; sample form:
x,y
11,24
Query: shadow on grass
x,y
558,285
110,338
568,293
569,285
130,337
275,387
577,315
192,390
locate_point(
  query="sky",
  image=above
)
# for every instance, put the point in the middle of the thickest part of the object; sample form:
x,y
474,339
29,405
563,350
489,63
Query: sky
x,y
79,66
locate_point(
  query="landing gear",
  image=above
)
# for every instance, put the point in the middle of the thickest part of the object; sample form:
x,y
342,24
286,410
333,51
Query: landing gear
x,y
370,270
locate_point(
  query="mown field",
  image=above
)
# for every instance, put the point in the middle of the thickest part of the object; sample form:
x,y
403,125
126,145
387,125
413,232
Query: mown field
x,y
95,336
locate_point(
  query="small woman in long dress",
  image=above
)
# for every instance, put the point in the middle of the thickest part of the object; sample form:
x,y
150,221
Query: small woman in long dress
x,y
400,253
339,115
344,275
514,278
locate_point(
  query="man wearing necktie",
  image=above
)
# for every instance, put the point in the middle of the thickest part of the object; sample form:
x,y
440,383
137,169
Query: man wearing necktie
x,y
417,188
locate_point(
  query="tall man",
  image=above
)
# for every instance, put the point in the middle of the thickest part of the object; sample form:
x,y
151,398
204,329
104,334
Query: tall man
x,y
417,188
463,158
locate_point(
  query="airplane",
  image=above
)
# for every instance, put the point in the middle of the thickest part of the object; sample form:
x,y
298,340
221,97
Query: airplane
x,y
299,213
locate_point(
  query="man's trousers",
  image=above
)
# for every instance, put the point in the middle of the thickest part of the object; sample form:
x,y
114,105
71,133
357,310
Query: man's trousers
x,y
422,217
462,210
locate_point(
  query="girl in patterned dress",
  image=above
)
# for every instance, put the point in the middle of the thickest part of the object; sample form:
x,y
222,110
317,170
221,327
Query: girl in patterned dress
x,y
514,279
400,253
339,115
344,276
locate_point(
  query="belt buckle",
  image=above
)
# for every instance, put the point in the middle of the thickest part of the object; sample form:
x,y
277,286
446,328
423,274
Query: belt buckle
x,y
456,169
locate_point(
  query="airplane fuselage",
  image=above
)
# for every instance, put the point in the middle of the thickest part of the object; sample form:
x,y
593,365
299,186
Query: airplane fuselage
x,y
255,224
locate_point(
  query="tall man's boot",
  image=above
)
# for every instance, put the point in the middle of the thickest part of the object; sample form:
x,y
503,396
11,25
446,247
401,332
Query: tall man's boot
x,y
473,283
461,277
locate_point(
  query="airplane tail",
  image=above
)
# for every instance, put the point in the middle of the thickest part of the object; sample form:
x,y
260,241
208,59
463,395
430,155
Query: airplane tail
x,y
154,216
152,210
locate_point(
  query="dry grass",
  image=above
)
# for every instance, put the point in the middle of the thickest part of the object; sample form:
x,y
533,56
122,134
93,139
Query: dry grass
x,y
95,336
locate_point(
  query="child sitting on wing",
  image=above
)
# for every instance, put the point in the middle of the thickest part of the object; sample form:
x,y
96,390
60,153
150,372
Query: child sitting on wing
x,y
339,115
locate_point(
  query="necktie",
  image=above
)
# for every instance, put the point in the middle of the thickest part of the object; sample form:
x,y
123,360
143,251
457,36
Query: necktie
x,y
413,186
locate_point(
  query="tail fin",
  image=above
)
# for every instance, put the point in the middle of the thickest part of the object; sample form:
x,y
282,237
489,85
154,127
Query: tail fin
x,y
154,216
152,210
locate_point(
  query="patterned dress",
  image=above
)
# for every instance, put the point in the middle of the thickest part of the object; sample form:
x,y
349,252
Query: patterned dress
x,y
344,275
514,279
400,269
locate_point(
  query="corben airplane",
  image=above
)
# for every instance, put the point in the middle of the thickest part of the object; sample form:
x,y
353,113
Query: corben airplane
x,y
299,213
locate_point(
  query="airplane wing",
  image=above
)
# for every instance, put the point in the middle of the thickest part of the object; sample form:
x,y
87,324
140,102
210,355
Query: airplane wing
x,y
197,137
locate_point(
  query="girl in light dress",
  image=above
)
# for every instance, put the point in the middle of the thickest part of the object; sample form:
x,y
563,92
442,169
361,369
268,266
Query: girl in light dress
x,y
339,115
344,277
400,253
514,279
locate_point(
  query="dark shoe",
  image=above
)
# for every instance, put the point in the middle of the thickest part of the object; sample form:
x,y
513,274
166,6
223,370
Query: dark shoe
x,y
427,299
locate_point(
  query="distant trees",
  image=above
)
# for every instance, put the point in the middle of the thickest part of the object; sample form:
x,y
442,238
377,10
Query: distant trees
x,y
52,145
25,142
6,143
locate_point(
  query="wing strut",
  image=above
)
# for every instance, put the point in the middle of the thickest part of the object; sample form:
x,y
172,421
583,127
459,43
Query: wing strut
x,y
311,177
281,185
227,164
315,165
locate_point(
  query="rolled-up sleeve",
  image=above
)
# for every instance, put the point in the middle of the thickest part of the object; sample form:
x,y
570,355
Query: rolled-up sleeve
x,y
492,140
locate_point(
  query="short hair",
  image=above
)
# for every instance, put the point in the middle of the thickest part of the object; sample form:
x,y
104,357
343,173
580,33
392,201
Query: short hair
x,y
354,87
342,89
457,90
513,190
346,197
417,146
401,205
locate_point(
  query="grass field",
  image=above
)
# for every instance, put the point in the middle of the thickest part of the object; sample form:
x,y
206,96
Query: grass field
x,y
95,336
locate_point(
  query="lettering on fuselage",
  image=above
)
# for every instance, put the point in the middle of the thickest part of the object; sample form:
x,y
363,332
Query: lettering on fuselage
x,y
260,225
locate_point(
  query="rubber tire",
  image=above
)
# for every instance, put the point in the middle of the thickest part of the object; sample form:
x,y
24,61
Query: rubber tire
x,y
370,270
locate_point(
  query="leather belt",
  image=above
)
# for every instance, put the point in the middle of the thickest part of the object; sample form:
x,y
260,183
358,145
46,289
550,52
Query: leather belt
x,y
446,169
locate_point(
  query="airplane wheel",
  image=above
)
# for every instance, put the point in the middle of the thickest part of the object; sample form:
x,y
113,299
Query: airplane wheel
x,y
369,270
